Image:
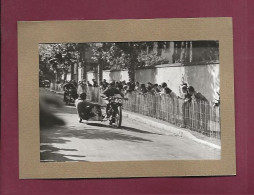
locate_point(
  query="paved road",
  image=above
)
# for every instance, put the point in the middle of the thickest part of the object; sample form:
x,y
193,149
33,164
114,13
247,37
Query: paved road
x,y
97,141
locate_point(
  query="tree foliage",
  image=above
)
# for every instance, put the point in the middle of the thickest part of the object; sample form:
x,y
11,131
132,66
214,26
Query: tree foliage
x,y
56,59
125,55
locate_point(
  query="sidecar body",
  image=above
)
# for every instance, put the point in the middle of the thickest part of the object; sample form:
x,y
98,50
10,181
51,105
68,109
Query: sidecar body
x,y
88,111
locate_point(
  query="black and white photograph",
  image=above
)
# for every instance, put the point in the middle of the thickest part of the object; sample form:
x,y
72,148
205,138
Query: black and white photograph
x,y
129,101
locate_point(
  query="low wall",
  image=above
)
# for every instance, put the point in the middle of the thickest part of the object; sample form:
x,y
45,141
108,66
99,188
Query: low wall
x,y
115,75
204,78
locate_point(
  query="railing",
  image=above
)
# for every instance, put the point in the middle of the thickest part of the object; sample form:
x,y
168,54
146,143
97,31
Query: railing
x,y
199,116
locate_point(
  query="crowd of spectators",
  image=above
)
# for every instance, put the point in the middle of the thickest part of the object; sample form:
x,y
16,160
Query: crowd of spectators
x,y
187,92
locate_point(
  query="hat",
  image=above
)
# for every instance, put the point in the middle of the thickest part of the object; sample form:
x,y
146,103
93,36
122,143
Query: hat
x,y
190,88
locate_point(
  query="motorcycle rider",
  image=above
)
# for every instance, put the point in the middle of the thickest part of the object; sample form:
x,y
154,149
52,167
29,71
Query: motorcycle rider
x,y
70,87
109,92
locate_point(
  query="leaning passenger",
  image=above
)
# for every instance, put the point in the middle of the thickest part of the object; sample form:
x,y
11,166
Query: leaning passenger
x,y
85,109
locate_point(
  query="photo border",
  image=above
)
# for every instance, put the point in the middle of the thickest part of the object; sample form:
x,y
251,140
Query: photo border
x,y
30,34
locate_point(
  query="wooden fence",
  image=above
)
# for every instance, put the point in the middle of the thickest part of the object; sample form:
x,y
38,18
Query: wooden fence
x,y
198,116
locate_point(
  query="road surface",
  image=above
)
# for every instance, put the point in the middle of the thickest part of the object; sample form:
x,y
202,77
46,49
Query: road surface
x,y
99,142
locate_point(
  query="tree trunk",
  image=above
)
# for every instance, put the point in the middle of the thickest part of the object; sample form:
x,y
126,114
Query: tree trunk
x,y
72,71
131,67
65,75
100,65
84,71
77,71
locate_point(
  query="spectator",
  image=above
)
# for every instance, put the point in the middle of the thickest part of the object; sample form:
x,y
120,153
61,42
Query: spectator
x,y
74,83
150,89
185,106
124,82
95,84
129,87
164,85
137,86
160,88
184,94
105,84
156,89
196,95
82,88
125,89
217,101
101,85
89,84
167,90
149,84
143,88
132,86
181,88
203,106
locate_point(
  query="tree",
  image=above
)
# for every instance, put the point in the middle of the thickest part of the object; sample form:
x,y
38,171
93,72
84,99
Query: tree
x,y
116,56
57,58
126,55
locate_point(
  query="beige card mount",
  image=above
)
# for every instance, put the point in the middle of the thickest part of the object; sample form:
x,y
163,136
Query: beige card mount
x,y
33,33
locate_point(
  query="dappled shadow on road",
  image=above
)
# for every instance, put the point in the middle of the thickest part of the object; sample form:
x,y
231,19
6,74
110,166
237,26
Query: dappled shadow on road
x,y
50,153
63,134
123,128
104,134
137,130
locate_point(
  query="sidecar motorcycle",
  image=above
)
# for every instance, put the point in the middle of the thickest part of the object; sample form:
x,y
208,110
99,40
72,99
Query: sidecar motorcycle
x,y
94,112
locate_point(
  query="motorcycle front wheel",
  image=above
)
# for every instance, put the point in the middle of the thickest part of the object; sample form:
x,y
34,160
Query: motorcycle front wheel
x,y
118,117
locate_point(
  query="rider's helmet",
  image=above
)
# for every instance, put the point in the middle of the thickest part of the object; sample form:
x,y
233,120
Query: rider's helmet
x,y
112,84
82,96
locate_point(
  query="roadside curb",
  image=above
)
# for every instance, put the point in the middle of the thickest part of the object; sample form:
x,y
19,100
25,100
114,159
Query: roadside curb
x,y
168,128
